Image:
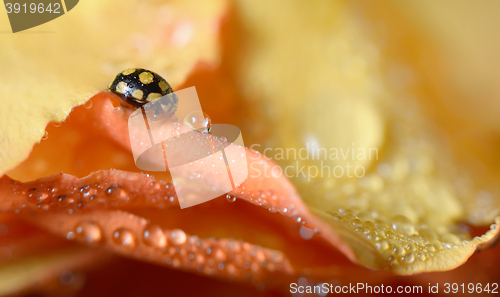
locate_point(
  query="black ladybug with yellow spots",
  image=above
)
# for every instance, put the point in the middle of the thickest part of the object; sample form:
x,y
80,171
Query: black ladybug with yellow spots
x,y
139,86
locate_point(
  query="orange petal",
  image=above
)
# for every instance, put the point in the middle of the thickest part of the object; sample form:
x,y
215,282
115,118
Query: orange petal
x,y
118,189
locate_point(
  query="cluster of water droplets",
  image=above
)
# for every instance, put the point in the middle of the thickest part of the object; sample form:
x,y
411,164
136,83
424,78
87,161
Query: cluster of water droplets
x,y
209,256
273,202
402,242
48,196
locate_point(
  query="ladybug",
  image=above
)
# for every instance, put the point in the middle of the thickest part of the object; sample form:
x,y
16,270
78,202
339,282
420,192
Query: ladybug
x,y
137,86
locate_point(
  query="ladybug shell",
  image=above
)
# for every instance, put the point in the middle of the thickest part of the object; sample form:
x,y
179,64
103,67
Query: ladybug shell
x,y
139,86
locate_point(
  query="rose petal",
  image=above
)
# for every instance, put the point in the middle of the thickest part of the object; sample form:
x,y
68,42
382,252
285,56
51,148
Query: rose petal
x,y
74,57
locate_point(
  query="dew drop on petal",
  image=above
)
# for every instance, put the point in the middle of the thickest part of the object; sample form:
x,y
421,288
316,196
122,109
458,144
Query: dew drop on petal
x,y
219,255
88,231
177,236
113,192
70,235
382,245
123,236
85,190
35,196
62,200
200,258
409,258
153,236
81,205
230,198
88,104
92,200
199,121
306,233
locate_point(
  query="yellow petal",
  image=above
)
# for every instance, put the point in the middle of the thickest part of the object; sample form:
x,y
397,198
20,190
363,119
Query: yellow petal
x,y
330,83
49,69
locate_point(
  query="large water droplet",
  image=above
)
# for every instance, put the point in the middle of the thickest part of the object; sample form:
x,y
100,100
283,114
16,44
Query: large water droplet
x,y
404,225
88,104
113,192
177,236
88,231
199,121
306,233
85,190
430,248
124,237
219,255
382,245
409,258
154,236
62,200
35,196
398,251
230,198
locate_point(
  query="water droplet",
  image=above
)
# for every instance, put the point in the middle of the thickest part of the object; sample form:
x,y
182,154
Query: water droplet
x,y
399,251
230,198
88,104
219,255
200,258
35,196
92,200
199,121
124,237
81,205
154,236
437,245
382,245
70,235
88,231
62,200
430,248
306,233
409,258
113,192
421,257
85,190
404,225
223,139
45,135
176,263
177,236
410,247
56,124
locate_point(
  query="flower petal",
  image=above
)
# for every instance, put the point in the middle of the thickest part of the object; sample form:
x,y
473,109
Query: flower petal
x,y
44,75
